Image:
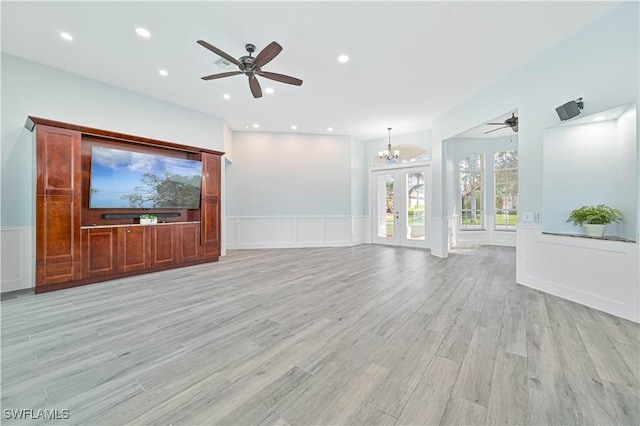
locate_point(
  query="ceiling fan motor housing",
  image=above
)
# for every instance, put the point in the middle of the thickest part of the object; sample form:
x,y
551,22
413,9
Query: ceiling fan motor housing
x,y
251,66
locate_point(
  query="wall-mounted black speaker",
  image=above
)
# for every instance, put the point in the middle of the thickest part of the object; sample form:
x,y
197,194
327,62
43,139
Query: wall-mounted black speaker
x,y
568,110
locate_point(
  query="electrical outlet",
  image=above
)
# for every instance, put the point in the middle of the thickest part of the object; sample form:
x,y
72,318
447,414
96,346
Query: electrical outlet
x,y
530,217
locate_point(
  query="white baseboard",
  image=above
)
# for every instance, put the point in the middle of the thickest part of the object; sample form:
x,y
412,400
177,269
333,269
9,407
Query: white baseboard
x,y
17,258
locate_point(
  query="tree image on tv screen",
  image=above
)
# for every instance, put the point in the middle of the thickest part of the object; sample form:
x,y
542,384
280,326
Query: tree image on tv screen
x,y
129,179
165,192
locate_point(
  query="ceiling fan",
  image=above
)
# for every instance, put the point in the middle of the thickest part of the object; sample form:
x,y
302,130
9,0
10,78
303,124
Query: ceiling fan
x,y
509,122
252,66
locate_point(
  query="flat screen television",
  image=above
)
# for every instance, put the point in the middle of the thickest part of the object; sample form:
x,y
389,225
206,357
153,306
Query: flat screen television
x,y
122,179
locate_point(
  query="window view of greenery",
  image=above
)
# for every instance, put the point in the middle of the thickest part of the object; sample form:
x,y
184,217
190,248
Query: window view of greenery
x,y
506,190
390,207
415,206
471,192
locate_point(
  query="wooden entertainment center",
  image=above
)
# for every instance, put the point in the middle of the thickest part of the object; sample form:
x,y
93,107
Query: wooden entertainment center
x,y
76,245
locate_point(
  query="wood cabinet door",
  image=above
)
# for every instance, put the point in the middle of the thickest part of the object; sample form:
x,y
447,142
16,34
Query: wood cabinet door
x,y
58,158
188,242
210,205
58,246
58,201
163,245
133,248
100,250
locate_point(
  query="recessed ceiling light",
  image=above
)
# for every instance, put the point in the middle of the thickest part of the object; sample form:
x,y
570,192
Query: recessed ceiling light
x,y
256,125
163,73
294,127
66,36
226,96
329,129
142,32
269,90
343,59
599,118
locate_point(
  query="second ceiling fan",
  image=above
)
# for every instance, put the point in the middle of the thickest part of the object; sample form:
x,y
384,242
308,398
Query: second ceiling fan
x,y
509,122
252,66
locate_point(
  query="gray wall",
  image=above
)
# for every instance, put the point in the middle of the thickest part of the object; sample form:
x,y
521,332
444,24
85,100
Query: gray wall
x,y
282,174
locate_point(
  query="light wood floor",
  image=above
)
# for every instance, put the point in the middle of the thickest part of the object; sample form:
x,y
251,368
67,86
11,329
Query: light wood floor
x,y
362,335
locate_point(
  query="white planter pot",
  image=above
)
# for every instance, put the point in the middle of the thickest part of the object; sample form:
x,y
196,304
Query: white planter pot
x,y
148,221
596,231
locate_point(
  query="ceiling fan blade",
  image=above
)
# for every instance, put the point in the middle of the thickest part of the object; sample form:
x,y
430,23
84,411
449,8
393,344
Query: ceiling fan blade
x,y
281,78
499,128
256,91
221,75
267,54
497,124
220,52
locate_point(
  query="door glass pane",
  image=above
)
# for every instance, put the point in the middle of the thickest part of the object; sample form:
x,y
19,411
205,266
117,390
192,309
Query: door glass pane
x,y
415,203
385,207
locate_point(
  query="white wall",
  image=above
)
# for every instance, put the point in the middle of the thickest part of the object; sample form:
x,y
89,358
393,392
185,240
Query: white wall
x,y
227,142
589,164
29,88
628,182
289,174
601,63
358,178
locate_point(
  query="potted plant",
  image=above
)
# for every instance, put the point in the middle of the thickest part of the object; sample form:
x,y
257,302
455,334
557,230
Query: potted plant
x,y
595,218
148,219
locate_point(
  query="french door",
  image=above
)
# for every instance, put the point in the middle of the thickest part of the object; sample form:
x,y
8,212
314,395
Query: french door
x,y
400,206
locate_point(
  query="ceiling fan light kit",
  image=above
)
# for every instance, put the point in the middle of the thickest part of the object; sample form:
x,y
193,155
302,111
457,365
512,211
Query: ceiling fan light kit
x,y
252,66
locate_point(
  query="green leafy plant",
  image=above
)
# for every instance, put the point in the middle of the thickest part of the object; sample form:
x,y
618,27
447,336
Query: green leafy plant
x,y
595,215
148,216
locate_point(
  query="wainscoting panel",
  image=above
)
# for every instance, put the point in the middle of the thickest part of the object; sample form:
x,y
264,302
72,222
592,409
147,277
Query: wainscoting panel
x,y
310,230
282,230
359,226
252,231
295,231
231,232
16,258
337,229
604,275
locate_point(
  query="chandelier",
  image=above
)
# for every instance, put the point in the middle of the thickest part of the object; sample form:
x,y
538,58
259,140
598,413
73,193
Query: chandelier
x,y
387,153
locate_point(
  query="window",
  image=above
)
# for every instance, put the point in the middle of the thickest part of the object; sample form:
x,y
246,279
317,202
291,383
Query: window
x,y
471,192
506,190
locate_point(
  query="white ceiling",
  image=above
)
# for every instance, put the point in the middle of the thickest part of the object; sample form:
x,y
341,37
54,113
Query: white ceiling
x,y
410,61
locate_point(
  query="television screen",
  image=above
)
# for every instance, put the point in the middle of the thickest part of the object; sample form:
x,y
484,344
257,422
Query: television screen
x,y
127,179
